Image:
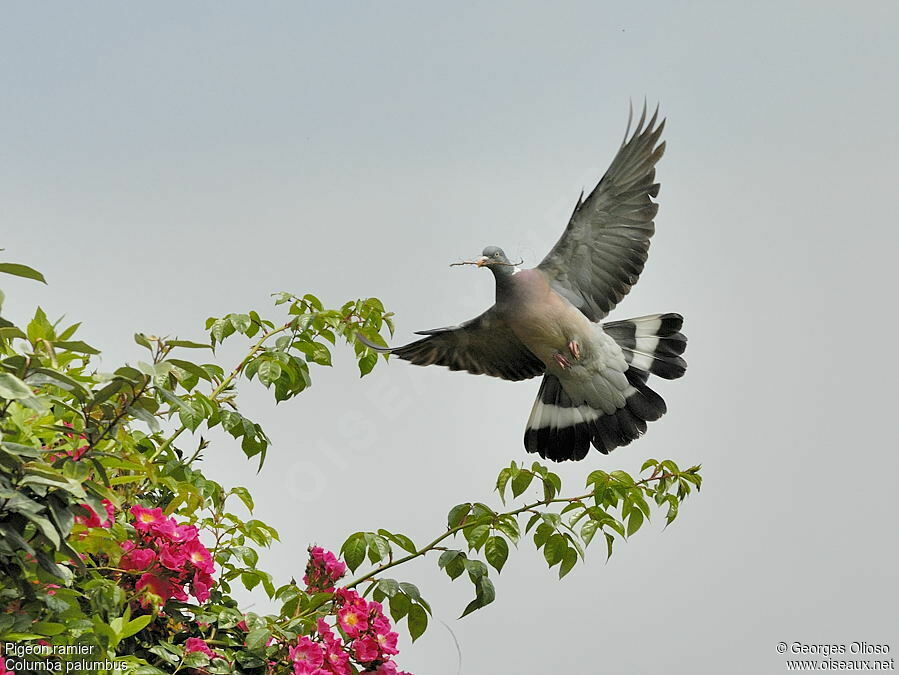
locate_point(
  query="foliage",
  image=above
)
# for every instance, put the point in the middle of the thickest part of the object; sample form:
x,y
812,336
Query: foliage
x,y
114,543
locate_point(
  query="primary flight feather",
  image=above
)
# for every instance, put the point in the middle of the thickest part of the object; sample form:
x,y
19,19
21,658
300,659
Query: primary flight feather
x,y
546,320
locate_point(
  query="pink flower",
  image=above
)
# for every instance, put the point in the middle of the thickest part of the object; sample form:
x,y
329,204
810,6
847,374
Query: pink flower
x,y
199,555
198,645
387,642
323,570
183,533
137,560
350,597
93,520
327,635
172,557
307,656
366,649
145,519
3,669
380,623
155,586
353,620
110,511
337,660
200,587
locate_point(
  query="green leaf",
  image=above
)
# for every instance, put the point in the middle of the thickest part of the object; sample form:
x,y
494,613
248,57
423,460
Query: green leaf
x,y
367,363
191,368
188,344
509,527
268,372
56,378
353,550
24,271
477,535
257,638
453,563
196,659
315,352
648,463
634,522
241,322
399,606
484,595
501,481
388,587
623,477
588,530
554,549
108,391
475,568
244,495
47,628
76,346
457,515
135,626
400,540
412,591
378,548
569,559
418,621
521,482
598,477
11,387
144,416
314,302
496,550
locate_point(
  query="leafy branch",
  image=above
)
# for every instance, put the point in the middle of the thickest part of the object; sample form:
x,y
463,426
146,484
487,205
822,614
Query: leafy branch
x,y
616,505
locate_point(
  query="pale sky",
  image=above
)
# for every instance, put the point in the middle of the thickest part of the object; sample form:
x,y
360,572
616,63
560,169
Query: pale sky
x,y
172,161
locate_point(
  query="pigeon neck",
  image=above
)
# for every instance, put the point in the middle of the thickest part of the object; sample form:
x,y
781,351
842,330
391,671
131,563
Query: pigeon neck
x,y
503,275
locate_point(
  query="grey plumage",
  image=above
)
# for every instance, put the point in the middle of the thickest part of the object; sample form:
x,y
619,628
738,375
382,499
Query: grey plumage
x,y
544,321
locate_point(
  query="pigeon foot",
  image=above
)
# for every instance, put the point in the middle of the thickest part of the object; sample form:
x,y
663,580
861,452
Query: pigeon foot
x,y
562,361
575,349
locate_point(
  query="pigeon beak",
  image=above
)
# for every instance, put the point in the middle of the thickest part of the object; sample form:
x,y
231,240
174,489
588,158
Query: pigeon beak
x,y
483,260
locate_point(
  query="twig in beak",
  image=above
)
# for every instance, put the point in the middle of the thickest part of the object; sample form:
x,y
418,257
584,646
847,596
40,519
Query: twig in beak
x,y
486,263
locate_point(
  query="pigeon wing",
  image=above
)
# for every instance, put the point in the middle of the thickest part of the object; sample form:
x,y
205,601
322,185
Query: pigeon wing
x,y
484,345
605,245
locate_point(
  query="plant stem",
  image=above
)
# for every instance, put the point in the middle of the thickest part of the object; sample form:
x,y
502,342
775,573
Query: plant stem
x,y
458,528
224,384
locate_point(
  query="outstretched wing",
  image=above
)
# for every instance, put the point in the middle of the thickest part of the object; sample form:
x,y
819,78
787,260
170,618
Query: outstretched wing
x,y
603,249
484,345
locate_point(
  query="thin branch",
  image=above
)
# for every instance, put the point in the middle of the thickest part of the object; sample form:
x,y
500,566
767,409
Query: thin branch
x,y
487,263
458,528
225,383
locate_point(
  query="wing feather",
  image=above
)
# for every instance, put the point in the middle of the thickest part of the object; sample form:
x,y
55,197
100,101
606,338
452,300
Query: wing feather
x,y
604,247
484,345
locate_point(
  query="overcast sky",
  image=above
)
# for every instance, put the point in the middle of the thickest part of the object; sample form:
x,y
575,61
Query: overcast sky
x,y
166,162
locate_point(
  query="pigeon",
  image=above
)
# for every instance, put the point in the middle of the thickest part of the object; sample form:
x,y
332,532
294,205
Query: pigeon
x,y
548,320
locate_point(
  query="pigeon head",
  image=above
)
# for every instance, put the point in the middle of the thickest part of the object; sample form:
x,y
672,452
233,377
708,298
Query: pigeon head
x,y
494,258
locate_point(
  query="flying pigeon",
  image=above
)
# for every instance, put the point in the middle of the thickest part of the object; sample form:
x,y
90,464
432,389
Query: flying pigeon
x,y
546,320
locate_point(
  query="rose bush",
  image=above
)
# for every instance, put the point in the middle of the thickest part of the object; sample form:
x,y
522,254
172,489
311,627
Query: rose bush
x,y
114,544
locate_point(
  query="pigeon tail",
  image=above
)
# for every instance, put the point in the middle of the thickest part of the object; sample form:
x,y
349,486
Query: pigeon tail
x,y
652,344
563,428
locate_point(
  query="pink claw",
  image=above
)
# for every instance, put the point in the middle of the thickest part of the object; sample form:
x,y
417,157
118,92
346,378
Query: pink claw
x,y
575,349
561,360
